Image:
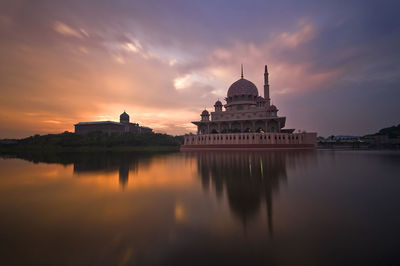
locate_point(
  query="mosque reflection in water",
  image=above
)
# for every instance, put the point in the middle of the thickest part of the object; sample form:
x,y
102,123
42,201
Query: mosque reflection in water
x,y
203,208
249,179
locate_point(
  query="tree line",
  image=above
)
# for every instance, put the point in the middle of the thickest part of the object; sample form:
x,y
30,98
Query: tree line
x,y
97,139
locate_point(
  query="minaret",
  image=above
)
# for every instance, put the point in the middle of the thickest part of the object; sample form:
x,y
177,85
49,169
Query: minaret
x,y
266,88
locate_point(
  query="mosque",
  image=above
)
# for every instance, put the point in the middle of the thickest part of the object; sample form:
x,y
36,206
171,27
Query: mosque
x,y
110,127
248,121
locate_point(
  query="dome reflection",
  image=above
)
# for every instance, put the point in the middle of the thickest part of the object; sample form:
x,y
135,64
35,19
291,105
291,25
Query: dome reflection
x,y
249,179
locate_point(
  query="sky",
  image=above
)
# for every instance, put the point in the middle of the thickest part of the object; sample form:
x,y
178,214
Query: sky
x,y
333,65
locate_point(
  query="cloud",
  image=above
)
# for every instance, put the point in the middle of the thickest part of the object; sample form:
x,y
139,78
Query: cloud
x,y
165,64
306,32
66,30
287,75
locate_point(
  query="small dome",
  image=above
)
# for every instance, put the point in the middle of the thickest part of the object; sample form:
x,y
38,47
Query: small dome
x,y
272,108
124,117
205,112
218,103
260,99
242,87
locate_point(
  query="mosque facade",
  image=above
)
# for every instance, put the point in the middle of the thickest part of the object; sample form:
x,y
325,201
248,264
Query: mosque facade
x,y
111,127
248,121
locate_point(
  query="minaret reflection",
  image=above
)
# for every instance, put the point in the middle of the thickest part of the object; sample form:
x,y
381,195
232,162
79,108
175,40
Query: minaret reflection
x,y
249,178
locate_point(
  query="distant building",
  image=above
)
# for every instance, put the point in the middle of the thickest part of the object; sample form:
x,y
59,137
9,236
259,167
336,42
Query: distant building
x,y
111,127
342,138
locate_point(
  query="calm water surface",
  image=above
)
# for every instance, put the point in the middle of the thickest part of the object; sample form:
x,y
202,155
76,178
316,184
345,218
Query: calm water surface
x,y
208,208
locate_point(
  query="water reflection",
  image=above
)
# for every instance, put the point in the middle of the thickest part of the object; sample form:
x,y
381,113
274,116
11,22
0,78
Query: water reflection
x,y
250,179
205,208
111,162
88,164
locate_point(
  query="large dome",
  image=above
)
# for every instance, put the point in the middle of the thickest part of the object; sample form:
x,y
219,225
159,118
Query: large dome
x,y
242,87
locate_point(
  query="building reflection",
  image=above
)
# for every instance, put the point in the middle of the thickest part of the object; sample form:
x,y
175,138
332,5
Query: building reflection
x,y
124,174
123,163
86,164
249,179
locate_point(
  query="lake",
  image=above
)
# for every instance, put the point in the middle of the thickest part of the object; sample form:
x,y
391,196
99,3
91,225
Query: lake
x,y
204,208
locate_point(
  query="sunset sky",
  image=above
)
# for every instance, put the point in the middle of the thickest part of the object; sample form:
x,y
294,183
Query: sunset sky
x,y
334,65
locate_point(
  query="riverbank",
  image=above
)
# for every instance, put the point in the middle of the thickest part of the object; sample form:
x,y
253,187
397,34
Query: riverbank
x,y
56,149
94,142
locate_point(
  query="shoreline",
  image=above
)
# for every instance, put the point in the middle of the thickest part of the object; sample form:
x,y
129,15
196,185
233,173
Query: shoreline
x,y
50,149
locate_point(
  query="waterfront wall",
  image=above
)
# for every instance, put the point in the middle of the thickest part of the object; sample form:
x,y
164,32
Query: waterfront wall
x,y
250,140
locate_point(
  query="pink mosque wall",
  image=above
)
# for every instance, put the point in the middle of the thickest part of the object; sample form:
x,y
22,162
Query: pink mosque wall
x,y
250,140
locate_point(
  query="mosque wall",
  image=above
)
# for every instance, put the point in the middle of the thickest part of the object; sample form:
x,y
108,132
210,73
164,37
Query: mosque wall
x,y
250,140
237,126
111,127
105,128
